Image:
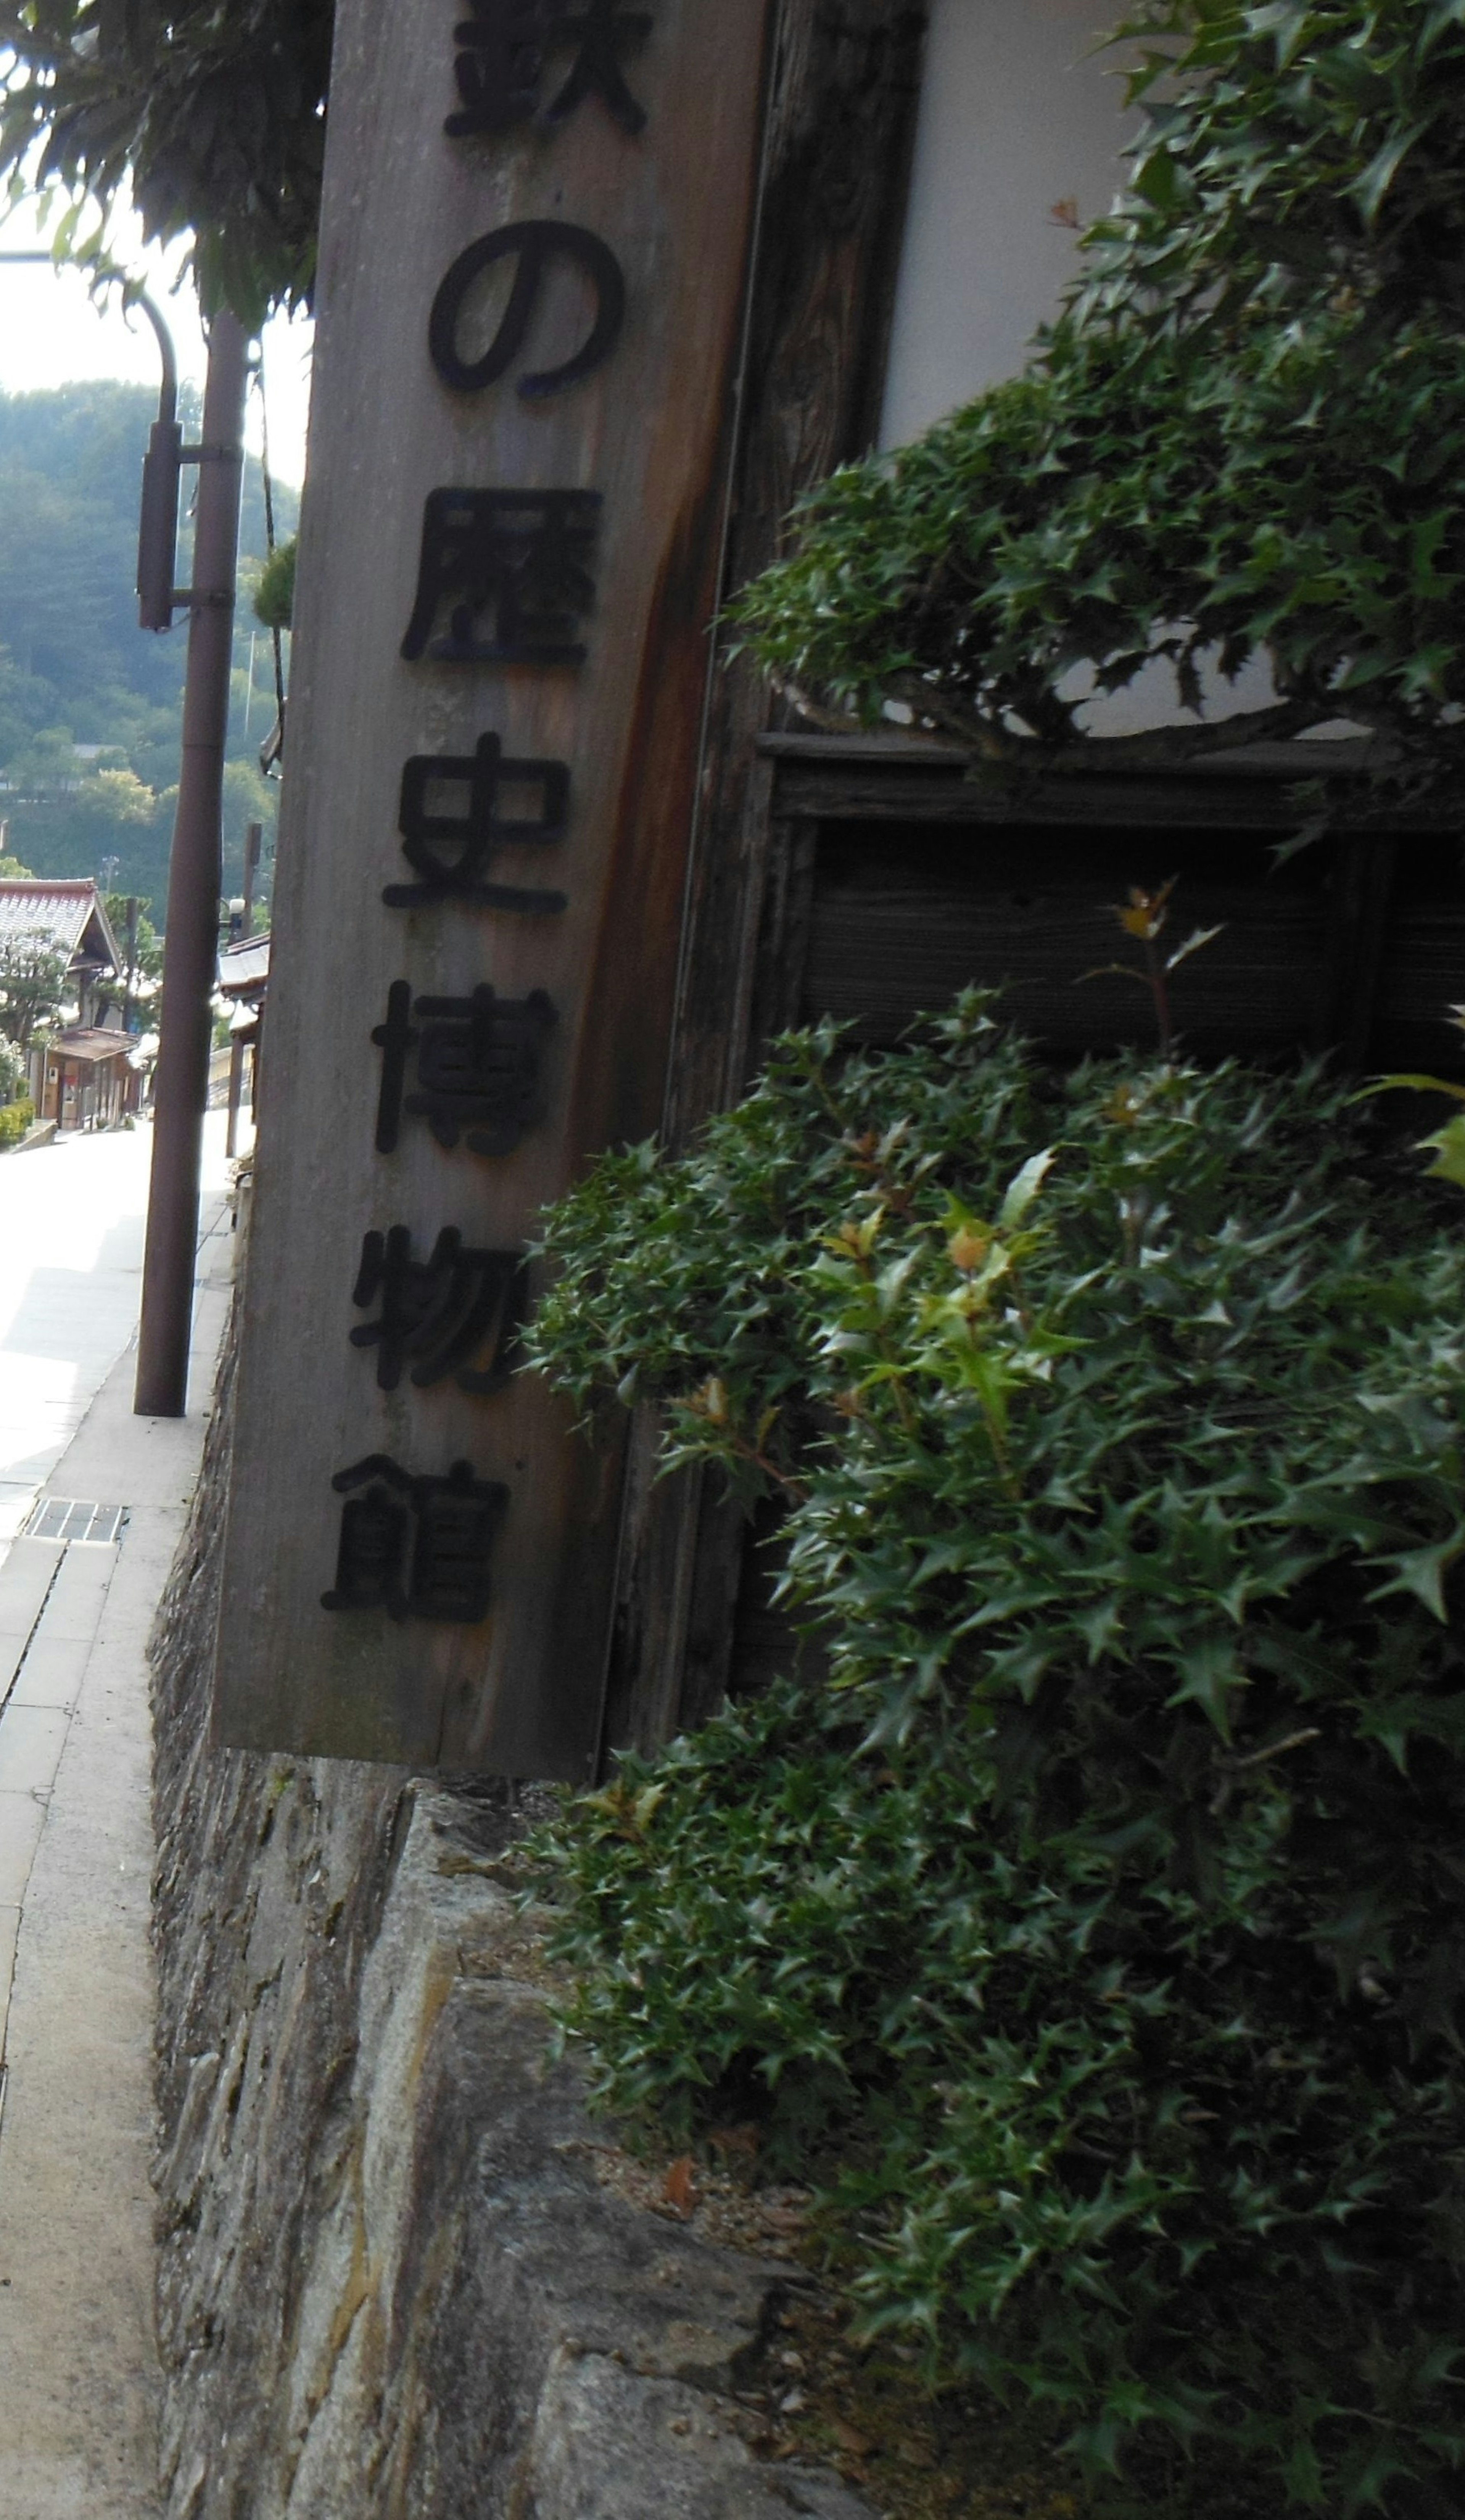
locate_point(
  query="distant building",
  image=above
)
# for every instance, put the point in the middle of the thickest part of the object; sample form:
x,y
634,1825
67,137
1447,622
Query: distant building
x,y
244,981
85,1075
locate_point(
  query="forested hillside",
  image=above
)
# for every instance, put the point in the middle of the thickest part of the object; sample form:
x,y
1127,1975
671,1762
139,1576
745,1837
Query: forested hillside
x,y
76,671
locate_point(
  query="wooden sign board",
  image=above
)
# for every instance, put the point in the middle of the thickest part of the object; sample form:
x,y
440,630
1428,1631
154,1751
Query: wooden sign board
x,y
535,237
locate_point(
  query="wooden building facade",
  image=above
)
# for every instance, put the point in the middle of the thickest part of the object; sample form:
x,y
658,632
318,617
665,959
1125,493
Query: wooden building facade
x,y
84,1075
814,230
869,878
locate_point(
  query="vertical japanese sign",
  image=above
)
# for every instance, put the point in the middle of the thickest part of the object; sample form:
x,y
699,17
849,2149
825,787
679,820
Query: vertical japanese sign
x,y
535,232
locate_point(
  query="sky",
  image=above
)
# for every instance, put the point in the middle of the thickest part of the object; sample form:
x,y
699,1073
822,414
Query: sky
x,y
51,333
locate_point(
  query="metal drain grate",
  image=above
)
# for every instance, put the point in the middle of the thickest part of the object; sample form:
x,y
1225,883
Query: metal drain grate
x,y
72,1518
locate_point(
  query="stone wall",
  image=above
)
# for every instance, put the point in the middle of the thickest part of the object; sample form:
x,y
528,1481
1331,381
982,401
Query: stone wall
x,y
393,2283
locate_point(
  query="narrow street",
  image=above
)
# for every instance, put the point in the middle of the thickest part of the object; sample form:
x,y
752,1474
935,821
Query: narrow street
x,y
78,1584
71,1222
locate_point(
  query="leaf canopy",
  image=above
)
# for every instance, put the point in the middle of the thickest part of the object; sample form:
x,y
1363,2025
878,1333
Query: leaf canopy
x,y
213,118
1241,437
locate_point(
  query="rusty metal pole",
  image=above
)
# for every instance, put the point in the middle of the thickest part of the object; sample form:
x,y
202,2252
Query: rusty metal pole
x,y
254,850
191,938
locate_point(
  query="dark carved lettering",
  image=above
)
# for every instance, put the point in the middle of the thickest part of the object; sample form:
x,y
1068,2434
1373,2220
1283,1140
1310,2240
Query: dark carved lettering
x,y
503,49
499,66
416,1547
534,243
519,556
450,852
477,1067
601,31
441,1314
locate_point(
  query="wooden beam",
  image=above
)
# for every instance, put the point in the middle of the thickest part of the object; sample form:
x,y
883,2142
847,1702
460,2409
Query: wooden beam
x,y
898,778
840,128
842,110
510,555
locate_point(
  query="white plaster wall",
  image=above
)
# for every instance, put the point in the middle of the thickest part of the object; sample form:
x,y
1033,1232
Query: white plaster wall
x,y
1018,115
1023,115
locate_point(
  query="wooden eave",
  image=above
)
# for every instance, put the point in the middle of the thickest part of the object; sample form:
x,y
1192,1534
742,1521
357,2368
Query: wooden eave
x,y
879,778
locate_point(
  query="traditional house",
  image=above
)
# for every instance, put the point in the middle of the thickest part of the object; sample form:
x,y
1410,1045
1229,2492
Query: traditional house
x,y
927,174
244,982
83,1076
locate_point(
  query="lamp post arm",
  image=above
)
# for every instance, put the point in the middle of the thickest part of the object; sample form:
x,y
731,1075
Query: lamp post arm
x,y
158,525
168,403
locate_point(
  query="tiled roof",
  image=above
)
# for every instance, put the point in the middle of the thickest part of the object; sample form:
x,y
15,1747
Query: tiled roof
x,y
245,965
87,1042
61,910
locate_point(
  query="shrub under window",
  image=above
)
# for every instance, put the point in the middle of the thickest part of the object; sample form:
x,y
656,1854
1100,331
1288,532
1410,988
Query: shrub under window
x,y
1097,1933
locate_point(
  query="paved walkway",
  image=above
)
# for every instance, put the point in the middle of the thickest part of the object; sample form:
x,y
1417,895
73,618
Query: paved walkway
x,y
72,1220
77,2369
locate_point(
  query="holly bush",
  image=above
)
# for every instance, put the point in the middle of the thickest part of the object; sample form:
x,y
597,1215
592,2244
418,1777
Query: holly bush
x,y
1241,436
1094,1933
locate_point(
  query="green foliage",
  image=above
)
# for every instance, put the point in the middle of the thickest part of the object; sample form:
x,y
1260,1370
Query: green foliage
x,y
211,119
1446,1143
33,984
274,596
1244,436
15,1120
148,947
74,666
1097,1933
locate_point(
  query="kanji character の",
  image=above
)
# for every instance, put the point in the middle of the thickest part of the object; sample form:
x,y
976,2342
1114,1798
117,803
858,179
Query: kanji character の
x,y
537,246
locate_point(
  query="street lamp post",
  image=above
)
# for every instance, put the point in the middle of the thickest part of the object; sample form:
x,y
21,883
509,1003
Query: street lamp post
x,y
191,932
191,935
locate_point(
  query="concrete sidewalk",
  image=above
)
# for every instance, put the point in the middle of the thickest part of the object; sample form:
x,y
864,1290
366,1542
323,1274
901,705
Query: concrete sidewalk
x,y
77,2360
73,1218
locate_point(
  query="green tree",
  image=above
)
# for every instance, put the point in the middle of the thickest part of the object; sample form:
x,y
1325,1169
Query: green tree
x,y
69,470
247,798
147,964
1242,437
210,119
33,984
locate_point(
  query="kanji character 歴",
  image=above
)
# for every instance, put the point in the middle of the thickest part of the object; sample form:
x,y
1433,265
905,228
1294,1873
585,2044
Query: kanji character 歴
x,y
510,569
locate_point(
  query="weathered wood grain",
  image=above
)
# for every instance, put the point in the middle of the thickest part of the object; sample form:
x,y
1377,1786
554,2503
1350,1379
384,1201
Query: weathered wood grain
x,y
841,778
841,104
904,915
651,430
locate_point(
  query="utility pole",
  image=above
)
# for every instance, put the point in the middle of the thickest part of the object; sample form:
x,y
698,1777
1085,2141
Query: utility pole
x,y
253,847
191,938
254,842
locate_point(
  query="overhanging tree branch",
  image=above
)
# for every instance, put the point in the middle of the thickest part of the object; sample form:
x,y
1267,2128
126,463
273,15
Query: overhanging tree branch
x,y
1243,438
